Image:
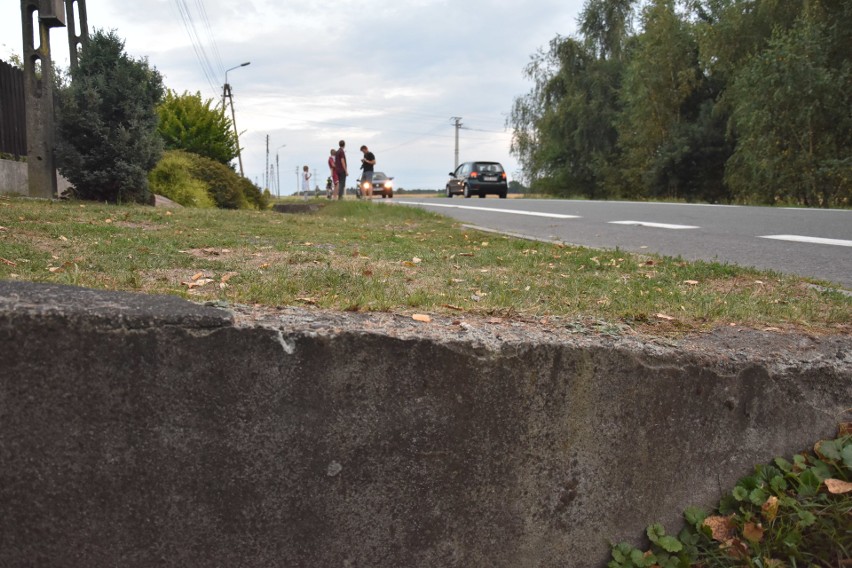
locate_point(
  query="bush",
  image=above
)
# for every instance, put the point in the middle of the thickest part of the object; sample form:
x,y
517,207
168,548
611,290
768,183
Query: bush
x,y
172,178
785,514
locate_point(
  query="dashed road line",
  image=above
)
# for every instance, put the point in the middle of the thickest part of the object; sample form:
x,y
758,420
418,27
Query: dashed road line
x,y
492,210
812,240
654,225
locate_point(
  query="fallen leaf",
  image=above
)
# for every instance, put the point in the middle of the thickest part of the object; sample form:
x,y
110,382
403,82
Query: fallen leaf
x,y
367,273
416,260
452,307
54,268
664,317
197,276
310,301
753,532
735,548
63,238
495,320
691,282
3,228
7,261
721,528
771,329
423,318
107,220
838,487
844,429
264,266
227,276
769,510
168,213
465,254
409,264
197,283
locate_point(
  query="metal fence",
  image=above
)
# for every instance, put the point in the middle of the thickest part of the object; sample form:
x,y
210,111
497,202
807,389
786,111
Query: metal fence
x,y
13,117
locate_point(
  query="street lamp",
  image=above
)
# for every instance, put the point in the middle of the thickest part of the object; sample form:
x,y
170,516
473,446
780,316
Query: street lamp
x,y
227,88
226,92
278,171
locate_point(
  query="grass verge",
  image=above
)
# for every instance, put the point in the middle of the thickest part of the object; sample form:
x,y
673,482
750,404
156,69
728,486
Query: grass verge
x,y
368,257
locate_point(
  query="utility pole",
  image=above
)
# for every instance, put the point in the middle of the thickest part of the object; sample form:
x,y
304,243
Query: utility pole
x,y
76,40
227,94
278,176
297,180
458,124
38,17
267,162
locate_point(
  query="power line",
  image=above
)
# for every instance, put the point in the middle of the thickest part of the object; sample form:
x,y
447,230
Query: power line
x,y
197,45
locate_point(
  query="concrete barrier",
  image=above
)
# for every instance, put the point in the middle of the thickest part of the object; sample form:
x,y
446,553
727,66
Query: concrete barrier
x,y
139,430
14,176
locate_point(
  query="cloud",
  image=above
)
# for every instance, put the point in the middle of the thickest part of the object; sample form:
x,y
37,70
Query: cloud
x,y
389,74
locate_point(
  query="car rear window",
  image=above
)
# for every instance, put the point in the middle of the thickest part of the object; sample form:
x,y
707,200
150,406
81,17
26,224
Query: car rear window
x,y
493,168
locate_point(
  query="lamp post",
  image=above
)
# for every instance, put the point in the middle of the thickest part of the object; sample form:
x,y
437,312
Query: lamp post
x,y
226,92
278,171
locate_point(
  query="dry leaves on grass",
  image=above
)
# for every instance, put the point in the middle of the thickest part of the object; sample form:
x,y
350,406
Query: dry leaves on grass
x,y
422,318
837,486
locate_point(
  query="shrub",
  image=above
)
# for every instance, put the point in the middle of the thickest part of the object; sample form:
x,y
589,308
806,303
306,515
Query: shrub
x,y
172,178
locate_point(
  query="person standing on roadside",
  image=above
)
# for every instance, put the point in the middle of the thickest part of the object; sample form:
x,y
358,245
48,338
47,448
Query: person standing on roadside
x,y
368,163
306,182
331,167
340,167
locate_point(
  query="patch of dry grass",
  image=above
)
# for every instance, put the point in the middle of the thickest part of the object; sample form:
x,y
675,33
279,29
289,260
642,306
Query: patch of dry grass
x,y
358,256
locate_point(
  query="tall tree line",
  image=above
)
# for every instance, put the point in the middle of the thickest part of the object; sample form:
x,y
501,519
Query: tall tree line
x,y
746,101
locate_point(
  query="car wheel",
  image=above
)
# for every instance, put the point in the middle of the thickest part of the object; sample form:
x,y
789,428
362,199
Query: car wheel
x,y
482,195
449,192
502,195
467,191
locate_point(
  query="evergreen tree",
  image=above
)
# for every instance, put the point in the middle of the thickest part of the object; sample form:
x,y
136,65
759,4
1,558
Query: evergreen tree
x,y
107,123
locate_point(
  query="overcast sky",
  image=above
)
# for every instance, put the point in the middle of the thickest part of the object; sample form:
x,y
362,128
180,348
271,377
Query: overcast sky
x,y
388,74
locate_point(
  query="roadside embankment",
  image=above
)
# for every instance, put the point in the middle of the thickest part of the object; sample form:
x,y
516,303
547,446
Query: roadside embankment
x,y
138,430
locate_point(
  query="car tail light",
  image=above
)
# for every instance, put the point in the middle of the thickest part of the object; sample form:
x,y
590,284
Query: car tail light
x,y
474,174
504,175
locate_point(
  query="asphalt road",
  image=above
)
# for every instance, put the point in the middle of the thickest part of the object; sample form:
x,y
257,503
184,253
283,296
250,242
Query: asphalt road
x,y
815,243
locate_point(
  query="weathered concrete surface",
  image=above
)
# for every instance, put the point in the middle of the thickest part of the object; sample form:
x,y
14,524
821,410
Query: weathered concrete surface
x,y
14,178
140,431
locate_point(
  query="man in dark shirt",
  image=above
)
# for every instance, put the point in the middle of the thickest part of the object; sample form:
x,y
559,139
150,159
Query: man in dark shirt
x,y
342,170
368,162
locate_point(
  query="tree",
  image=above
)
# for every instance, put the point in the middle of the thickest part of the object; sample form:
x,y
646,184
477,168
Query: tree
x,y
792,120
107,123
673,146
189,123
563,129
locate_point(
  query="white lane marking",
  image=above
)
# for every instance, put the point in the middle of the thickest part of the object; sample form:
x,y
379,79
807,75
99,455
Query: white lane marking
x,y
654,225
814,240
492,210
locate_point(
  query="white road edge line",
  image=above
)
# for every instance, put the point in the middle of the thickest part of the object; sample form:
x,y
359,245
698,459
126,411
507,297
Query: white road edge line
x,y
814,240
492,210
653,225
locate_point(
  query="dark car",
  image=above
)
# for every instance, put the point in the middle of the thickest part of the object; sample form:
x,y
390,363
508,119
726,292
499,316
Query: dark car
x,y
382,185
478,178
